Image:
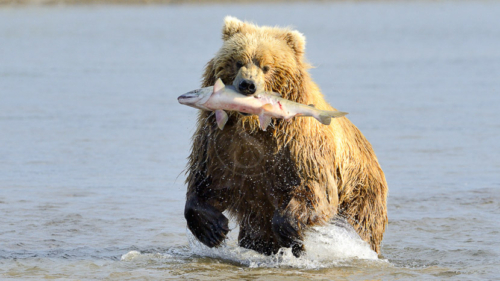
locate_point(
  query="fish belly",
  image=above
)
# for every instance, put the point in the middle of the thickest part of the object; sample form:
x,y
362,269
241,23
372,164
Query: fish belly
x,y
235,102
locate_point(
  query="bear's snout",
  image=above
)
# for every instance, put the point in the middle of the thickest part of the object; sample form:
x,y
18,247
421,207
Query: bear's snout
x,y
247,87
249,79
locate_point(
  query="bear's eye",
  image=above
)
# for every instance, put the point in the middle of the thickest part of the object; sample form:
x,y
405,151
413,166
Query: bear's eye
x,y
239,64
266,68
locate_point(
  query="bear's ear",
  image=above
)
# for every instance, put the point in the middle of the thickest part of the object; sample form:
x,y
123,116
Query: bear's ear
x,y
231,26
296,41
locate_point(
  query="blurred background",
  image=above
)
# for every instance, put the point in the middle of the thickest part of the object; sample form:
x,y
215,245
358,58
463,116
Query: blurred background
x,y
93,143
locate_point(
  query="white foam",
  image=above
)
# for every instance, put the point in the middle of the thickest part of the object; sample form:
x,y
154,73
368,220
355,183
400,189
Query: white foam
x,y
137,256
338,243
325,247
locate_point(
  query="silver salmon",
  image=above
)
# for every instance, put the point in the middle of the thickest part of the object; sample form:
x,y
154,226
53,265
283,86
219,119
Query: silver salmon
x,y
266,105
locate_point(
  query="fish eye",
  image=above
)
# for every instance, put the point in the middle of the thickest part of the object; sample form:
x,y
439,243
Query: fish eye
x,y
239,64
266,68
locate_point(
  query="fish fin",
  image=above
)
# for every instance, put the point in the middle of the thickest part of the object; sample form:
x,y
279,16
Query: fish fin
x,y
312,105
267,107
264,120
221,117
274,94
219,85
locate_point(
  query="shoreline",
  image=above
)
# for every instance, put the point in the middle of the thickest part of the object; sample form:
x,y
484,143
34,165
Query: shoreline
x,y
161,2
4,3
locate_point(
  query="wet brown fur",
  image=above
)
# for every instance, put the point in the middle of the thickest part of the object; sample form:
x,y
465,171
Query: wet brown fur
x,y
303,168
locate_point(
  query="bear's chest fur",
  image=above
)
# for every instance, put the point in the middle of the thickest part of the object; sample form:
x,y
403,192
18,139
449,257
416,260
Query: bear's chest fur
x,y
251,167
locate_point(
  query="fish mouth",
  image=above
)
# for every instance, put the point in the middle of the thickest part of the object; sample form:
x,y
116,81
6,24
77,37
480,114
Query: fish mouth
x,y
190,97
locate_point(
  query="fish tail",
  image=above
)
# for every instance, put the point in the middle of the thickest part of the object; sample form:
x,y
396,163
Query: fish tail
x,y
325,117
336,113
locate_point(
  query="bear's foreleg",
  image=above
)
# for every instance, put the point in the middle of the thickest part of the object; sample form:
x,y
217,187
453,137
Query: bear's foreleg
x,y
288,231
303,205
203,210
206,222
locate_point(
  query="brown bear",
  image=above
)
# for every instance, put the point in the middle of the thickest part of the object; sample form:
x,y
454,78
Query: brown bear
x,y
295,175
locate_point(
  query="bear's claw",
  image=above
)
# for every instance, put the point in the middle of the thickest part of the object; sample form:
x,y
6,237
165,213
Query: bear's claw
x,y
207,223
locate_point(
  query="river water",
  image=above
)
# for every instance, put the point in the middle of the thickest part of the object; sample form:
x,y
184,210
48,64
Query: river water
x,y
93,142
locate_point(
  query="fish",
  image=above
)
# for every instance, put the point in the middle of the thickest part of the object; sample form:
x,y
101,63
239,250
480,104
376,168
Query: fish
x,y
266,105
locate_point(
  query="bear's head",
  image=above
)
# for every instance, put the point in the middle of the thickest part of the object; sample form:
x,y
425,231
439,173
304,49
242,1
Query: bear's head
x,y
254,58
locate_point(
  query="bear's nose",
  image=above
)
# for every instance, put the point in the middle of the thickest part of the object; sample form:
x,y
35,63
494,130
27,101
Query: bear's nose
x,y
247,87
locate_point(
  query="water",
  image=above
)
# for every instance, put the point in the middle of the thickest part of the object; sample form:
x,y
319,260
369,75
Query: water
x,y
93,142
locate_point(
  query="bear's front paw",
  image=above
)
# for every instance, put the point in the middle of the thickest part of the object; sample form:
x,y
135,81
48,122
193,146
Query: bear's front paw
x,y
288,232
207,223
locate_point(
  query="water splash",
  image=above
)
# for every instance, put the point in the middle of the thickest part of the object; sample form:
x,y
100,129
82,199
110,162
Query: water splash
x,y
326,246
